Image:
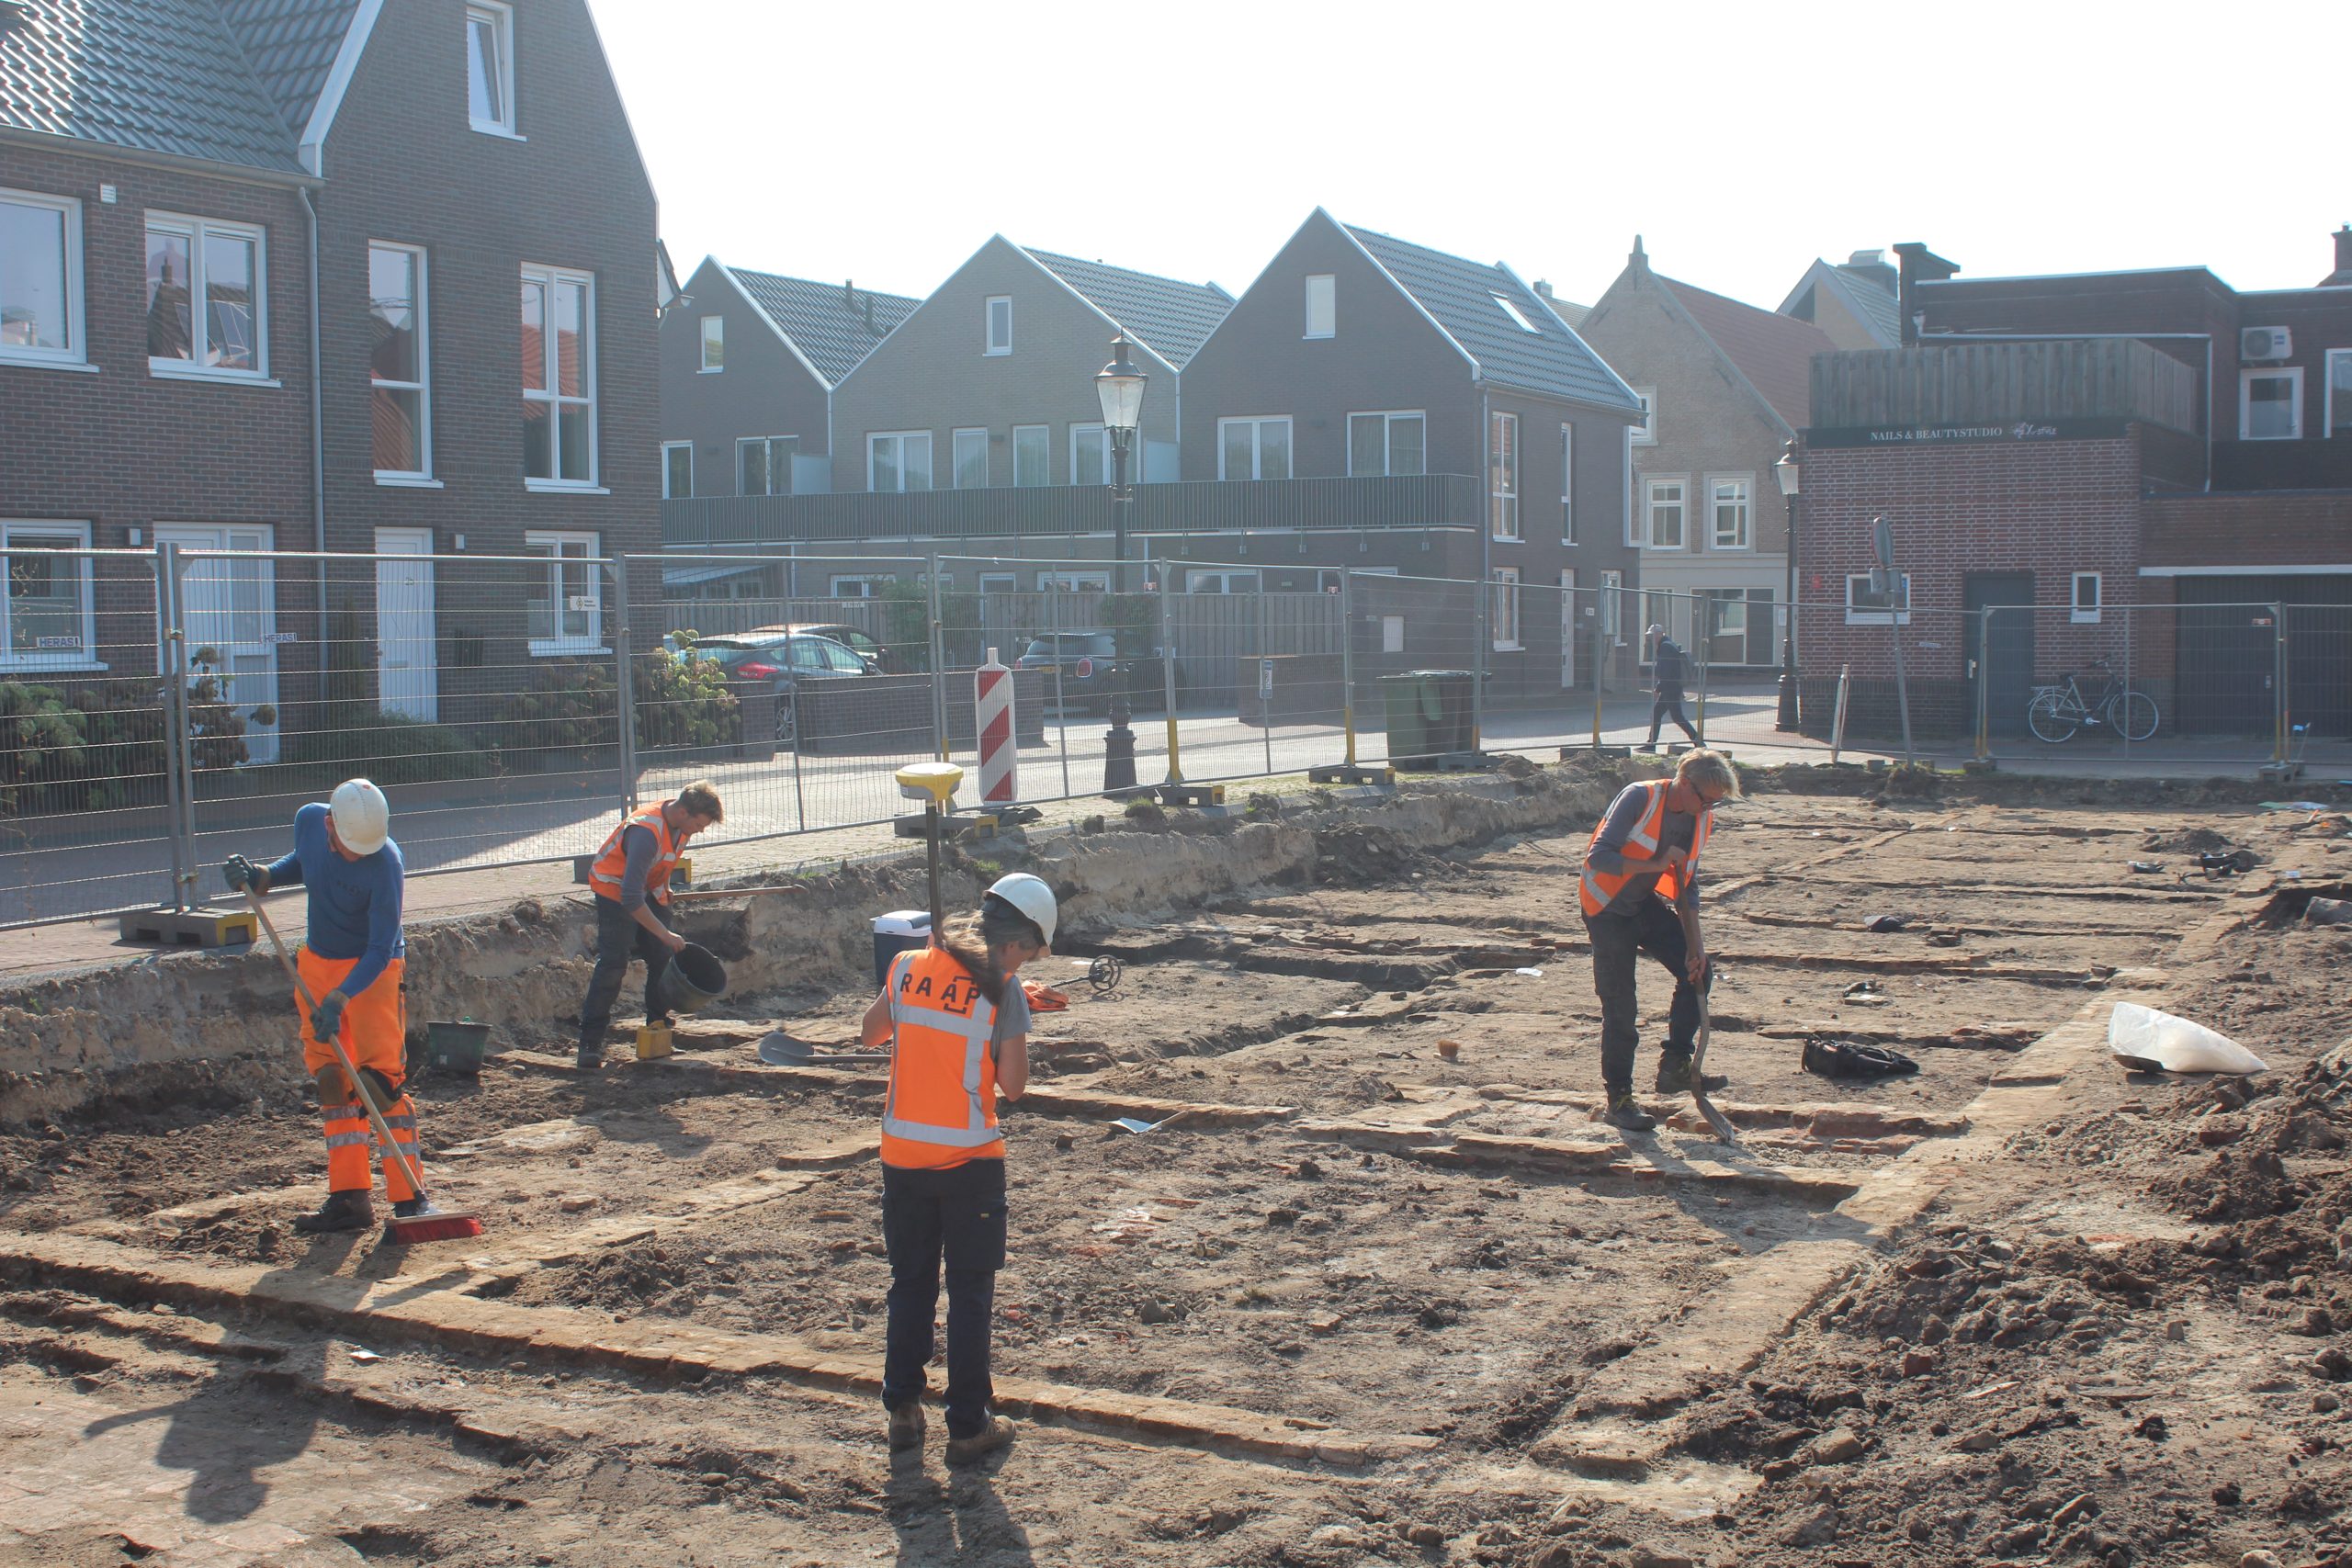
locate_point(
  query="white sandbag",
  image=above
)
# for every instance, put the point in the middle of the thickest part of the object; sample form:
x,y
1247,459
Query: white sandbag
x,y
2175,1044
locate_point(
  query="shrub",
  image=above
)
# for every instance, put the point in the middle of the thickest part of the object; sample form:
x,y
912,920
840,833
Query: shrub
x,y
99,745
390,748
682,702
677,703
573,710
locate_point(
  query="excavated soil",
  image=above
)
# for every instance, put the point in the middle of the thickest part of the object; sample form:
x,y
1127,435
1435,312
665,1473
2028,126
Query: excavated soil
x,y
2115,1330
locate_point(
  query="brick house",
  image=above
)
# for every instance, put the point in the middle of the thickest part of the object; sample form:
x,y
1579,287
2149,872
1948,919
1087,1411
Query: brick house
x,y
260,264
1725,387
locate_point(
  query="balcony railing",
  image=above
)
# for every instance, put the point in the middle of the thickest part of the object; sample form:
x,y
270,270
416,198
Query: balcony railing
x,y
2307,464
1414,501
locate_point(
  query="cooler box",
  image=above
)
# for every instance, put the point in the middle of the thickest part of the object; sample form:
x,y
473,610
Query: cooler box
x,y
895,933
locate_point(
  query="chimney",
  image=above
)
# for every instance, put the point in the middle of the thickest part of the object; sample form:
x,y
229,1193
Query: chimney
x,y
1919,265
849,294
869,315
1544,286
2343,272
1869,267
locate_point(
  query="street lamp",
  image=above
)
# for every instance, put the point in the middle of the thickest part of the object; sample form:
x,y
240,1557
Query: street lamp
x,y
1119,385
1786,474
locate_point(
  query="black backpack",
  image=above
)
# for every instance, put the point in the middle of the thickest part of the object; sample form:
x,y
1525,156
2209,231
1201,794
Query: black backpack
x,y
1850,1059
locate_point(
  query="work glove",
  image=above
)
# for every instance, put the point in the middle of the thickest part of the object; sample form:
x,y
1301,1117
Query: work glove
x,y
243,874
326,1019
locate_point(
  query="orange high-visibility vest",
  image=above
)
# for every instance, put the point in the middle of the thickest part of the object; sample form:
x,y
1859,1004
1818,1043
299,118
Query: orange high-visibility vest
x,y
941,1109
1601,888
605,876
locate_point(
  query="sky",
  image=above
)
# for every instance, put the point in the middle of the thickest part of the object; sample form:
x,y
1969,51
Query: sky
x,y
885,144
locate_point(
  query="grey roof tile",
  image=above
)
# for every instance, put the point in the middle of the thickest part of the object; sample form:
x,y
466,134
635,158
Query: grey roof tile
x,y
166,76
821,319
1172,317
1461,294
292,45
1871,302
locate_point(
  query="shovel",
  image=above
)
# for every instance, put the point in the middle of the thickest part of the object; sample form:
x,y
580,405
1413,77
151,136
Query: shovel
x,y
778,1049
1137,1124
1715,1119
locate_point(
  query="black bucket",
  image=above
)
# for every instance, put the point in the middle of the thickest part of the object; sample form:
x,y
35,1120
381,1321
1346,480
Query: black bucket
x,y
697,978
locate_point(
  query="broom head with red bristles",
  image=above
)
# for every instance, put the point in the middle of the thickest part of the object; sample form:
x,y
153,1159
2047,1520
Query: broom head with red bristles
x,y
434,1224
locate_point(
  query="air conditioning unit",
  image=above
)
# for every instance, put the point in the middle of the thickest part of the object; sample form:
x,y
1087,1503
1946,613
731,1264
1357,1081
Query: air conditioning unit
x,y
2264,342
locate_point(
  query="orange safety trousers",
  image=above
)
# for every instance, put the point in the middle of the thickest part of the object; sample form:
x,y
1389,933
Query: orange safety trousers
x,y
374,1036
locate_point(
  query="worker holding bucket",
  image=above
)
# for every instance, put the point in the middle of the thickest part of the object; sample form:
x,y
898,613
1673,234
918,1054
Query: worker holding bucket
x,y
630,878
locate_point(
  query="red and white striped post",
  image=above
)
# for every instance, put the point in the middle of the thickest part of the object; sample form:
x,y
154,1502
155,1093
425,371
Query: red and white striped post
x,y
992,710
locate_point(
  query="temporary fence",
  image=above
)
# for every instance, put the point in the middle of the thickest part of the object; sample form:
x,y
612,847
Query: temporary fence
x,y
162,709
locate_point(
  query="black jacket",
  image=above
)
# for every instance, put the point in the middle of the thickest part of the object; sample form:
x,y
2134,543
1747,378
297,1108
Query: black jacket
x,y
1667,664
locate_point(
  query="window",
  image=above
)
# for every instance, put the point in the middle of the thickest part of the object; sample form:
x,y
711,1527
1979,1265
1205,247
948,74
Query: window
x,y
566,611
1502,475
1723,637
1613,623
489,67
1665,514
1568,484
204,299
1000,582
2339,388
1075,582
45,616
1033,456
41,280
677,469
1387,443
1322,305
1659,611
1728,499
1090,455
1254,448
2087,597
999,324
1867,607
1518,317
971,449
899,461
401,414
714,345
1213,581
1645,433
1503,618
2271,404
763,464
558,377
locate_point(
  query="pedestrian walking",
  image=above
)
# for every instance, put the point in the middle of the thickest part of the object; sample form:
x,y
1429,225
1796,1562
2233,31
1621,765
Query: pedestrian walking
x,y
631,880
959,1029
1640,893
1668,665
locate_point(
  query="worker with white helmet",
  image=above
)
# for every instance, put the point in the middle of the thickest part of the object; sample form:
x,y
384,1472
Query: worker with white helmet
x,y
352,960
960,1029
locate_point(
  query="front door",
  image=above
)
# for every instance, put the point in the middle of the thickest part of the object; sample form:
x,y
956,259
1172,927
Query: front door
x,y
1568,626
406,677
229,608
2009,681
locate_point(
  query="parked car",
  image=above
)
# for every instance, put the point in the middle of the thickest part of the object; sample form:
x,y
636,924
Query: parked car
x,y
782,660
884,659
1092,672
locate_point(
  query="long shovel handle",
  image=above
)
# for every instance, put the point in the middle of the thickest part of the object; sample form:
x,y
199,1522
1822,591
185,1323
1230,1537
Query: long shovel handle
x,y
342,1058
1715,1119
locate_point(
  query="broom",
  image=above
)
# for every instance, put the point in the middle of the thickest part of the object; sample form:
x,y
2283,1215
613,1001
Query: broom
x,y
398,1231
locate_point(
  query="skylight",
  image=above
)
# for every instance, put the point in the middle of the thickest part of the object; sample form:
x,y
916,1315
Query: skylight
x,y
1518,317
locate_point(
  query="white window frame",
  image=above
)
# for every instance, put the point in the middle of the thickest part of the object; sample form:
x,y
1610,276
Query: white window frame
x,y
1876,617
709,340
75,354
501,17
1387,418
549,277
1502,612
668,491
1568,484
196,230
767,462
1074,582
553,540
1612,615
1330,302
423,385
992,347
1643,432
1000,582
1045,465
1746,538
1518,317
874,438
2075,610
2293,376
82,657
1502,479
1080,428
2337,357
1650,504
853,585
956,457
1256,423
1226,580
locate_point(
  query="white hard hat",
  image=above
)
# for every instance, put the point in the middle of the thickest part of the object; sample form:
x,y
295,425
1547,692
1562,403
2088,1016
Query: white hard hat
x,y
1656,630
363,817
1030,896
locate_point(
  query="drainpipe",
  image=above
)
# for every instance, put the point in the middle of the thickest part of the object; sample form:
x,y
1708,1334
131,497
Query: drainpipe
x,y
318,437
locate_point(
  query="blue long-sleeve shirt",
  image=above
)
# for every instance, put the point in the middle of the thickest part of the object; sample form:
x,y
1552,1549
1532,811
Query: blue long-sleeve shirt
x,y
355,904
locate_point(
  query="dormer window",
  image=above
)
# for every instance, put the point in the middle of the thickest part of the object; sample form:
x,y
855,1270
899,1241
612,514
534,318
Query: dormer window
x,y
489,67
1518,317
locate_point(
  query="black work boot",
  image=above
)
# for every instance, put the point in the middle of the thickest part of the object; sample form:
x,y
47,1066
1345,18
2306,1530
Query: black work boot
x,y
906,1425
342,1212
1674,1075
1624,1113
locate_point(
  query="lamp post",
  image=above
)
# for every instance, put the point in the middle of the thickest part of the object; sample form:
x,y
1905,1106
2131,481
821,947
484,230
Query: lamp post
x,y
1119,385
1787,475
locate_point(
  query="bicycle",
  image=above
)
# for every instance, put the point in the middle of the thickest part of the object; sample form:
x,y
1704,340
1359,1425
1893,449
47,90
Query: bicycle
x,y
2057,711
